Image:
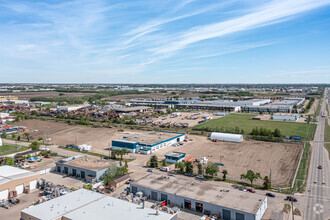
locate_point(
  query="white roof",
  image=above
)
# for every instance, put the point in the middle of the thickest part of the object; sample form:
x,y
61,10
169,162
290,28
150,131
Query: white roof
x,y
85,205
9,173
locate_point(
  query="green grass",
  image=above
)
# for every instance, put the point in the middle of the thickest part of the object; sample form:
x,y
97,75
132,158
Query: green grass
x,y
244,121
6,149
327,131
303,169
327,146
318,110
93,154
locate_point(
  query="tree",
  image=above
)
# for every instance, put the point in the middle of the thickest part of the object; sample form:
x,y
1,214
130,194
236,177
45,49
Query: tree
x,y
200,168
224,172
18,137
189,167
212,170
126,165
277,132
111,173
164,163
113,154
122,170
14,135
88,186
9,161
180,166
35,145
251,176
122,152
153,161
27,135
267,183
41,139
4,135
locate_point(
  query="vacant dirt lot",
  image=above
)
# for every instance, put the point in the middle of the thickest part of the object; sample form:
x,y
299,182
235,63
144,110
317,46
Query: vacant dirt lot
x,y
264,157
28,95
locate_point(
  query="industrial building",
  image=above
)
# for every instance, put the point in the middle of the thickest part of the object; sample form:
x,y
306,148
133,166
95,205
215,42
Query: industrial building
x,y
13,181
84,167
174,157
85,205
226,137
68,108
286,117
201,196
136,109
148,142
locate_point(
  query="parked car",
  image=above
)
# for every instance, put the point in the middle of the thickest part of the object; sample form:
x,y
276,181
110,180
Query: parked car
x,y
189,174
150,170
165,169
270,195
319,167
291,198
251,190
200,177
47,156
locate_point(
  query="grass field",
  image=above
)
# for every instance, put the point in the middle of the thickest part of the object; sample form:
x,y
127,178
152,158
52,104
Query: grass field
x,y
6,149
303,169
327,131
244,121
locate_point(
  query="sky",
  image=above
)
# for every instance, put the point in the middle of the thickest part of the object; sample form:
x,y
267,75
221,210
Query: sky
x,y
165,41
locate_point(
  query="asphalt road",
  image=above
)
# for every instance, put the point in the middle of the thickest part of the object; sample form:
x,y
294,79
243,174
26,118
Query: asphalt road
x,y
318,185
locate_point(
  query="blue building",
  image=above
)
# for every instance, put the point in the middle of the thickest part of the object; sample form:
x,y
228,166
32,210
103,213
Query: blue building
x,y
174,157
148,142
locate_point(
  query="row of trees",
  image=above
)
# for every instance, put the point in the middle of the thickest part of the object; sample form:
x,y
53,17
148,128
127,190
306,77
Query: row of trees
x,y
235,130
252,176
266,132
113,172
120,153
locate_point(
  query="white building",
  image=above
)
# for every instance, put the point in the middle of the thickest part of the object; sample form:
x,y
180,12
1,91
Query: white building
x,y
86,205
71,108
286,117
226,137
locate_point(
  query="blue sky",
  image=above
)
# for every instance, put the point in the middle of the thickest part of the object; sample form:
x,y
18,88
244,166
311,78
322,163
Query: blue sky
x,y
165,41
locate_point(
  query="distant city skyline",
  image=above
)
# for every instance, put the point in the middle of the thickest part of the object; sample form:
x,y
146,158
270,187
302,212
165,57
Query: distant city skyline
x,y
187,41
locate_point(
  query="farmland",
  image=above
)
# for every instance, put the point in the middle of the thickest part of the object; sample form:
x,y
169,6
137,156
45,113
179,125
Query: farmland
x,y
244,121
6,149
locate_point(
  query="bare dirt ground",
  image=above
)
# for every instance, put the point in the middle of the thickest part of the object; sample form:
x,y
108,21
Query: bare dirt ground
x,y
279,158
28,95
184,118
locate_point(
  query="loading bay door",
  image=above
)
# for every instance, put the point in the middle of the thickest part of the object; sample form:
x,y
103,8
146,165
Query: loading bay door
x,y
153,195
199,207
226,214
187,204
239,216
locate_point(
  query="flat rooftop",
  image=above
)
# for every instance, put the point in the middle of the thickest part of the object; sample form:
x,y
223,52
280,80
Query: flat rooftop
x,y
90,163
174,154
9,173
151,138
205,191
85,205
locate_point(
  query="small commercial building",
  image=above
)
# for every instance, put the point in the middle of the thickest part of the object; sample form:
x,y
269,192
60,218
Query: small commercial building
x,y
136,109
174,157
86,205
226,137
14,180
286,117
148,142
203,197
83,167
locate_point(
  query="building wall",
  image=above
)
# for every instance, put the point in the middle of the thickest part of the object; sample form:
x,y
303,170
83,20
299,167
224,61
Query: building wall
x,y
286,117
78,170
25,181
214,209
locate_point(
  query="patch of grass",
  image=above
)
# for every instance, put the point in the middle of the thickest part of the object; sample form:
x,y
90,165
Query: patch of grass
x,y
244,121
6,149
93,154
303,169
327,146
318,110
327,131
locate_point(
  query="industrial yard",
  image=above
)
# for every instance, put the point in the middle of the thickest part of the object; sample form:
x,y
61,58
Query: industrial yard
x,y
281,158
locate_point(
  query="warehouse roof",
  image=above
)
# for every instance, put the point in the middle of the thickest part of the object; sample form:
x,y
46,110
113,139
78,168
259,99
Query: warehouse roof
x,y
85,204
9,173
151,138
212,193
131,109
175,154
88,163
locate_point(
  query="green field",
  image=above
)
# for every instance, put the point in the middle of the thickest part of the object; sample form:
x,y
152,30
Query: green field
x,y
6,149
327,131
244,121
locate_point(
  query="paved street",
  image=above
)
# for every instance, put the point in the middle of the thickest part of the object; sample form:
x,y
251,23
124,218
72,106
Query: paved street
x,y
318,186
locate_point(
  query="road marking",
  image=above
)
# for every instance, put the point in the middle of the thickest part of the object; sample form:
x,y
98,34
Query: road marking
x,y
318,208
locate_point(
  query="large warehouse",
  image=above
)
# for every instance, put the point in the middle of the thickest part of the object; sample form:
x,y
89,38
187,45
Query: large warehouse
x,y
14,180
201,196
148,142
84,167
85,205
286,117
